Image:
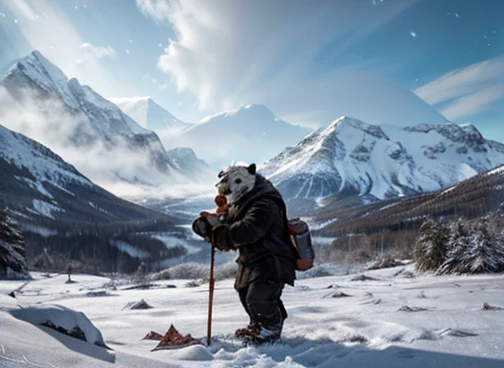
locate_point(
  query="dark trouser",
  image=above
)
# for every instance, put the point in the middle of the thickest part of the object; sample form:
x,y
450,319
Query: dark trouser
x,y
261,300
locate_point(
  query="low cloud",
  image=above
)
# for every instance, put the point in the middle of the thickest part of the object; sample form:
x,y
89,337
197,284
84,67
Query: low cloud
x,y
113,166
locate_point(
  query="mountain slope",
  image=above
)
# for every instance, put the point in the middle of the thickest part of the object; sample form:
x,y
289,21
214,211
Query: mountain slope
x,y
69,221
78,123
150,115
352,158
37,183
477,196
251,133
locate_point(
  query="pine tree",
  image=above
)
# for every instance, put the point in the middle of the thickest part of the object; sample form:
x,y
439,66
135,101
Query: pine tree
x,y
430,248
474,248
486,253
457,245
12,249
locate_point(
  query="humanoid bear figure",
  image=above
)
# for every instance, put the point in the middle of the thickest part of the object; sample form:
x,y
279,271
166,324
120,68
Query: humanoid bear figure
x,y
255,225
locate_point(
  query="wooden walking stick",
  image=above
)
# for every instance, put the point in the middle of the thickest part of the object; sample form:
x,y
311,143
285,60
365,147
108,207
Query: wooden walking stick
x,y
210,296
221,202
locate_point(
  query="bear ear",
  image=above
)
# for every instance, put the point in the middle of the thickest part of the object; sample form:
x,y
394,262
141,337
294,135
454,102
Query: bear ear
x,y
252,169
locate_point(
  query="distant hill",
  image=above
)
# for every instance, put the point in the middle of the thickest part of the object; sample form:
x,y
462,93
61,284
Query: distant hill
x,y
395,223
251,133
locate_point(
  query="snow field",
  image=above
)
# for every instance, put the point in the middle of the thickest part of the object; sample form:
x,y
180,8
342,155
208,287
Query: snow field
x,y
395,318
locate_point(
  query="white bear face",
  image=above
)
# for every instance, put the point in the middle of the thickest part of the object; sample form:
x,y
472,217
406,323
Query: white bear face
x,y
235,181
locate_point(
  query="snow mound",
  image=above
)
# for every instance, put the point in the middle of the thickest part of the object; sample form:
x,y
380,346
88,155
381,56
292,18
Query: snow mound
x,y
194,352
60,317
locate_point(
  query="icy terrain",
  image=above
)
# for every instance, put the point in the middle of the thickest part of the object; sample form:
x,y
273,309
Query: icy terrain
x,y
394,319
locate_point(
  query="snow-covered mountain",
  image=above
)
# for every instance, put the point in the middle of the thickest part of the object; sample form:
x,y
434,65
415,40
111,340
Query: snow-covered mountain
x,y
350,157
251,133
150,115
36,183
186,161
75,121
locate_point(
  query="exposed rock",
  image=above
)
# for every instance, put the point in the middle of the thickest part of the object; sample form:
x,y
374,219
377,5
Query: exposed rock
x,y
406,308
75,332
363,278
337,294
173,339
385,262
142,304
153,335
487,306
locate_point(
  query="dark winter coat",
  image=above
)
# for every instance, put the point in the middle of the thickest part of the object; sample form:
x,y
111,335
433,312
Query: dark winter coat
x,y
256,227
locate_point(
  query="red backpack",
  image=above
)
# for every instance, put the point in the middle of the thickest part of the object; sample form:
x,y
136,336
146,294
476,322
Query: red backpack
x,y
300,238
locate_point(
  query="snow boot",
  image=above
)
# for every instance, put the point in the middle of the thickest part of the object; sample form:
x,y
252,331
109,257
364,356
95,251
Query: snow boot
x,y
252,329
265,335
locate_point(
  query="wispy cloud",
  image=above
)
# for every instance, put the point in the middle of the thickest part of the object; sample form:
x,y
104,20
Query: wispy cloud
x,y
466,91
98,51
233,52
474,103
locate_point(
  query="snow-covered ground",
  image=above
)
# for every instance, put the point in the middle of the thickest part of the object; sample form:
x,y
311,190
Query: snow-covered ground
x,y
396,319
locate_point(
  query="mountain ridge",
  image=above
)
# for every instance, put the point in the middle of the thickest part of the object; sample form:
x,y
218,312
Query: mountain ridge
x,y
91,124
150,115
350,157
250,133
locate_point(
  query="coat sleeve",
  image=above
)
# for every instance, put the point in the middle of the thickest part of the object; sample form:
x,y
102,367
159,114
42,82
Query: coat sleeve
x,y
254,225
221,239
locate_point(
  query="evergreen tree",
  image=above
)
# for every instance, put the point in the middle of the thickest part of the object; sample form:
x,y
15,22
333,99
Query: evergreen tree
x,y
474,248
12,249
430,248
486,253
457,245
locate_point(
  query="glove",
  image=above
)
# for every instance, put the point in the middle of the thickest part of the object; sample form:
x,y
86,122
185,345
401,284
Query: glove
x,y
203,228
221,239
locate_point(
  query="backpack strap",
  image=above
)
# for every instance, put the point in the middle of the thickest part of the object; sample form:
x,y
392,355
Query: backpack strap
x,y
283,209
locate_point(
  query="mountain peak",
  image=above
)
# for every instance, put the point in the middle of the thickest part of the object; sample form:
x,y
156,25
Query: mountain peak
x,y
37,68
259,109
255,111
43,65
149,114
350,157
346,122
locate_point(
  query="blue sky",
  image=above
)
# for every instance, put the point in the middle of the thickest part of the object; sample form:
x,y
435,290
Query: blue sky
x,y
308,63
